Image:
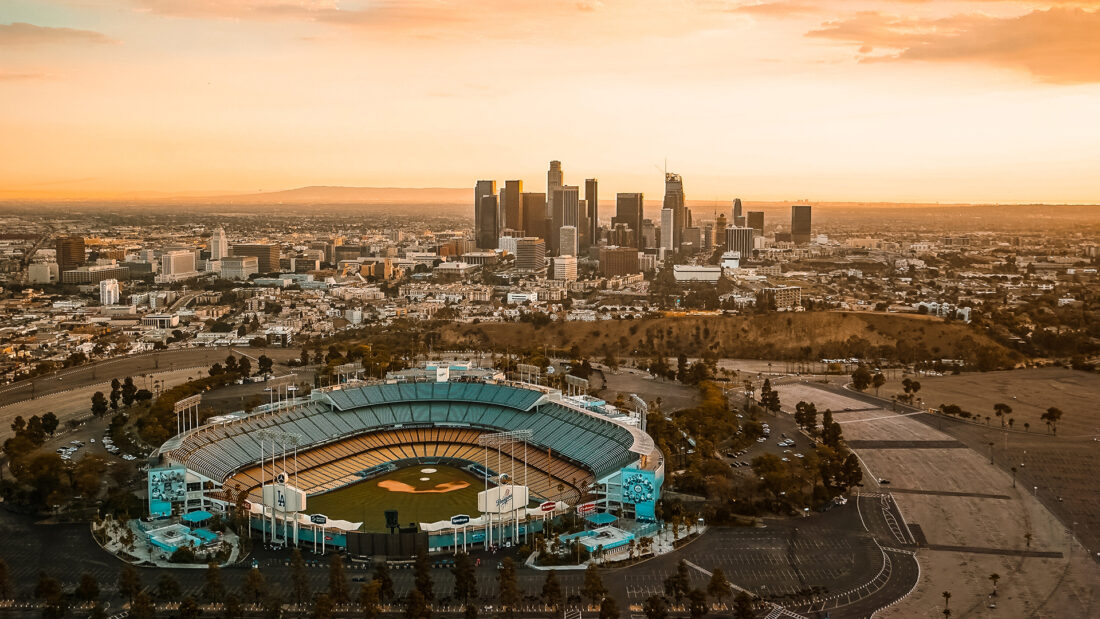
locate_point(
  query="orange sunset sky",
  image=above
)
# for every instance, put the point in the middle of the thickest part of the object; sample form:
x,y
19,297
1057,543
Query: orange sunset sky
x,y
892,100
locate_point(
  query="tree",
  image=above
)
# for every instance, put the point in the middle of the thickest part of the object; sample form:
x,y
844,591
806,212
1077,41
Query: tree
x,y
168,588
189,608
416,605
609,609
5,581
337,580
213,589
385,583
718,587
47,589
993,578
216,370
422,576
298,579
129,389
465,578
552,595
742,607
49,423
1051,417
946,598
593,589
255,586
322,607
129,583
305,356
697,603
116,393
231,364
88,588
370,599
265,364
861,378
99,404
678,584
655,608
142,607
1002,411
469,611
232,607
508,590
244,367
878,380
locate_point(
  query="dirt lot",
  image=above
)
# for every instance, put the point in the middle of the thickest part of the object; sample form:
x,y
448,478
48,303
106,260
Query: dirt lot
x,y
972,520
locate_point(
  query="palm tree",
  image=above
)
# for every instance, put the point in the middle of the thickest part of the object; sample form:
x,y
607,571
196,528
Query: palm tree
x,y
946,598
994,577
1027,539
1013,469
1027,427
947,613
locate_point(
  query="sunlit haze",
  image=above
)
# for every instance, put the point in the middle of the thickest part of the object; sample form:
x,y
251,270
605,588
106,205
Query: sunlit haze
x,y
772,100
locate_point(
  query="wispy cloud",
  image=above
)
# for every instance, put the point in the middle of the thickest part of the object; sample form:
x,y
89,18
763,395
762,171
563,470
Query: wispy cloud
x,y
780,8
1059,45
22,34
22,76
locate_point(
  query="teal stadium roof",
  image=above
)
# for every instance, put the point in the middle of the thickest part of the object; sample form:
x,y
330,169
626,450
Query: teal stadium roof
x,y
597,443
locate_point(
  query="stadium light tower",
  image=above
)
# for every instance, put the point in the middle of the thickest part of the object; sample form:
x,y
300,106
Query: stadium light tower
x,y
279,438
498,440
187,413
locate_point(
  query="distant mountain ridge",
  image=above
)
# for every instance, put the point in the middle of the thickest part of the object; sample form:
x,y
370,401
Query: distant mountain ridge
x,y
326,194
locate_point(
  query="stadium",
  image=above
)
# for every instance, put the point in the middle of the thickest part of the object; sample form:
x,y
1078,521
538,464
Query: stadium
x,y
445,456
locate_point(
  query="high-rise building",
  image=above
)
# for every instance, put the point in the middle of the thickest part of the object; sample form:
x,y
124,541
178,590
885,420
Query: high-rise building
x,y
511,205
674,200
534,214
755,220
649,234
564,211
486,215
530,253
554,179
800,224
590,234
740,240
565,268
488,227
567,241
668,225
219,245
628,210
177,261
616,261
266,254
736,208
109,292
70,252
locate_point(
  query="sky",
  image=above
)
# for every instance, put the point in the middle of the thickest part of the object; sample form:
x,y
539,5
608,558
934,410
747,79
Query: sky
x,y
838,100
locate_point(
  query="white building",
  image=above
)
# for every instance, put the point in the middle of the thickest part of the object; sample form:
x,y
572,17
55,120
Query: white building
x,y
219,245
43,273
565,268
696,273
239,267
177,265
567,241
109,292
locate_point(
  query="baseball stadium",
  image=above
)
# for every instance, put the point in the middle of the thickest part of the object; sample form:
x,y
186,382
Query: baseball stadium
x,y
453,455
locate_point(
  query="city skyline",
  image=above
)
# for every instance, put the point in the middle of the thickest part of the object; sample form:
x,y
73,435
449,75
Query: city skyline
x,y
848,101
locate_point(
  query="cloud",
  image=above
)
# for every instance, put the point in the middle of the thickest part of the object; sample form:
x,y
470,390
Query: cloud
x,y
780,8
1058,45
16,76
21,34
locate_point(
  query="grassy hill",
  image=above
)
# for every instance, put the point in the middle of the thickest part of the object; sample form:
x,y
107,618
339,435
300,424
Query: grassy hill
x,y
793,336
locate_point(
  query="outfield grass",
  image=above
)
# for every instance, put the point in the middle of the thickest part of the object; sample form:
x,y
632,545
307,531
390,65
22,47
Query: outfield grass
x,y
447,491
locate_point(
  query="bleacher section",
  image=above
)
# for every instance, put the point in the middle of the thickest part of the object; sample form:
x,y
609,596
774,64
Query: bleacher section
x,y
349,430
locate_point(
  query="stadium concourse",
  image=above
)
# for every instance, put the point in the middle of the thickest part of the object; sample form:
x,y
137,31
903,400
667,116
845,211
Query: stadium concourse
x,y
564,450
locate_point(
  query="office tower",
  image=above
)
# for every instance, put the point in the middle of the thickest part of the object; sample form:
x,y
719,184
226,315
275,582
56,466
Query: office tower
x,y
565,268
564,211
756,222
621,235
616,261
800,224
628,210
108,292
177,262
533,206
590,235
530,253
693,236
668,225
239,267
736,208
582,222
266,255
511,205
486,221
554,179
70,252
708,237
219,245
649,234
674,200
720,223
567,241
740,240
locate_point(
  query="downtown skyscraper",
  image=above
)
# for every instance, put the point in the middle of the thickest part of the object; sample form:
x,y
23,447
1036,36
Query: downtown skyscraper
x,y
681,217
486,214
